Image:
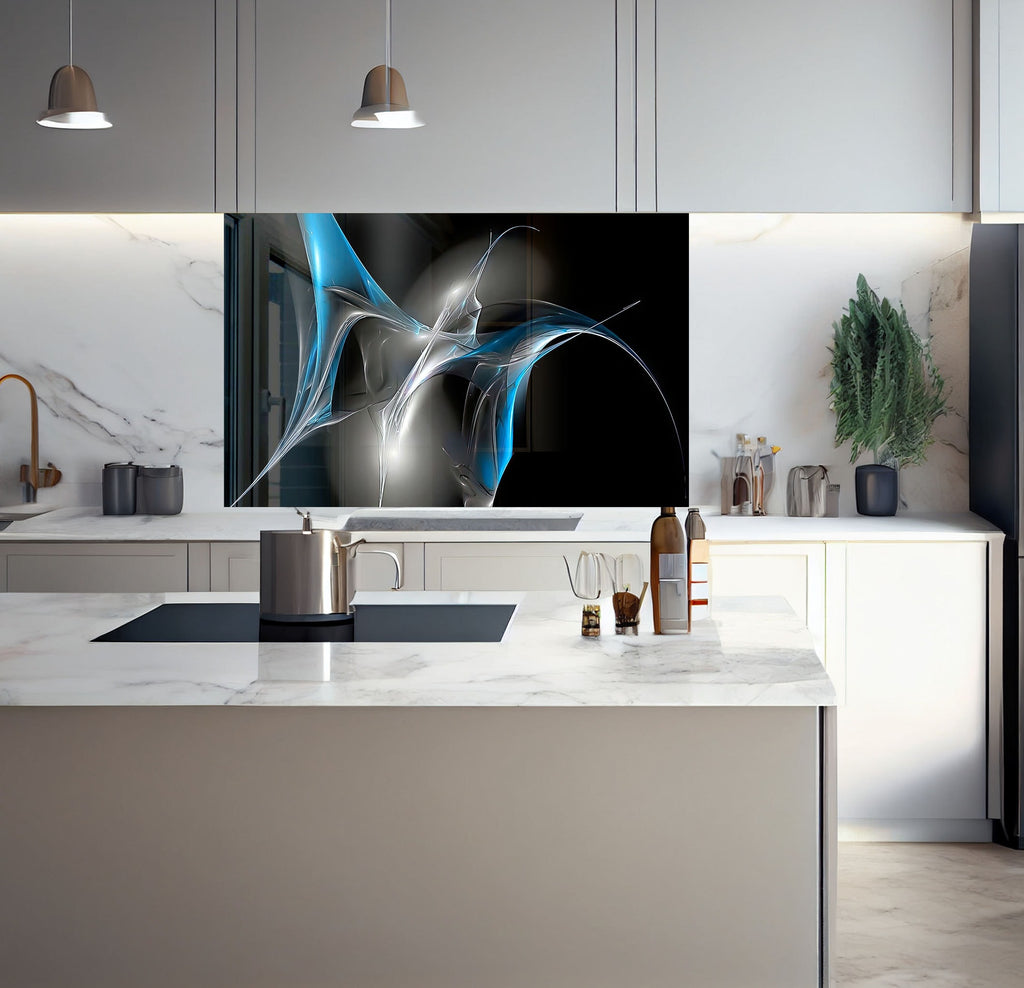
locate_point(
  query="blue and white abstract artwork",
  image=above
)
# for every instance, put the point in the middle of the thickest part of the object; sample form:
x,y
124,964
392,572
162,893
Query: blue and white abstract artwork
x,y
447,374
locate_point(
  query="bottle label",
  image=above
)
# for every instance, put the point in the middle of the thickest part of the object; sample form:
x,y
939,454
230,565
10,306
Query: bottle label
x,y
672,591
671,566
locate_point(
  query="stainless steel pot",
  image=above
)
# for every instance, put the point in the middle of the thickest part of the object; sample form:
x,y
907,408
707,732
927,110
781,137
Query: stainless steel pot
x,y
305,573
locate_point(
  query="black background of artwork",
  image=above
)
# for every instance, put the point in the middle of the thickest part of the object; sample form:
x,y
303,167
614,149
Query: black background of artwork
x,y
593,430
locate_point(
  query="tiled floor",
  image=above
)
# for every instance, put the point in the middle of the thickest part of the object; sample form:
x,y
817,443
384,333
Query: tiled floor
x,y
940,915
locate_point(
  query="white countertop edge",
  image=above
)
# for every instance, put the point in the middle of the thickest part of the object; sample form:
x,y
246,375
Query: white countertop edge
x,y
613,525
764,657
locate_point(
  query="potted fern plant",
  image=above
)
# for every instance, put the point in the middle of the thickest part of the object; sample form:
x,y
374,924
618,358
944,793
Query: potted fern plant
x,y
886,393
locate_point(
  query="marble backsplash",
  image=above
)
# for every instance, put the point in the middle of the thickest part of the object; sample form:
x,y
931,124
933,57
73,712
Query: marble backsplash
x,y
118,322
764,292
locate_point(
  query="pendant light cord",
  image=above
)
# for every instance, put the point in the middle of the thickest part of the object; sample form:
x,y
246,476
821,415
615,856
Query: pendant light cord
x,y
71,33
387,52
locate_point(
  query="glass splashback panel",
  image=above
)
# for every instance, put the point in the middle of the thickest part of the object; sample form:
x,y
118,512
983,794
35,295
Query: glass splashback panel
x,y
443,360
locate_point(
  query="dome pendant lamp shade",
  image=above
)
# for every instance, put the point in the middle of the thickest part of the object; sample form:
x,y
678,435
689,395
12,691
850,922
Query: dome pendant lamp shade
x,y
72,103
385,101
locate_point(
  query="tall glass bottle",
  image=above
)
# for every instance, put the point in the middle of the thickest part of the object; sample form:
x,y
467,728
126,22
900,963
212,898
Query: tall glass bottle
x,y
743,477
764,474
668,573
757,473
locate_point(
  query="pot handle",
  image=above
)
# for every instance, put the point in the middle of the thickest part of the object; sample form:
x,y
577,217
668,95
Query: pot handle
x,y
398,566
342,547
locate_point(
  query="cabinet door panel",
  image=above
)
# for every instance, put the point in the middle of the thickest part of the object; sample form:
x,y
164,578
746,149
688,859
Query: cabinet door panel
x,y
795,572
373,571
513,565
911,741
806,106
153,69
1010,149
518,100
97,568
236,566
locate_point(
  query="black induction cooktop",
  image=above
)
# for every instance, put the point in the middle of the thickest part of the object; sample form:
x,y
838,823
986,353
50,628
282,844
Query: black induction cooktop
x,y
240,622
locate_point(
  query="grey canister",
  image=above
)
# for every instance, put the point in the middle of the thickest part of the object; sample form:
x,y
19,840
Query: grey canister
x,y
119,481
159,490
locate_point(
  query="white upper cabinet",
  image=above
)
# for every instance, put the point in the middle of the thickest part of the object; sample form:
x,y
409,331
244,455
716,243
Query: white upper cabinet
x,y
152,65
1000,106
519,102
800,105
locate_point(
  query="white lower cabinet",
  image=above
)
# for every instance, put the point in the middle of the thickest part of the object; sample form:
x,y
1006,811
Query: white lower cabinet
x,y
912,730
794,571
171,567
903,631
513,565
235,566
98,567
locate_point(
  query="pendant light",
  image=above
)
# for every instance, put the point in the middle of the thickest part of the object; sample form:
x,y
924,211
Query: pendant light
x,y
72,104
385,103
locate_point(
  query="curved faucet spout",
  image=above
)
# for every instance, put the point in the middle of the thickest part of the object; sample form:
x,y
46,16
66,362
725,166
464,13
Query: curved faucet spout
x,y
30,478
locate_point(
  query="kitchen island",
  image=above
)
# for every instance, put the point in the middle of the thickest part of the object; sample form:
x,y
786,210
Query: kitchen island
x,y
546,809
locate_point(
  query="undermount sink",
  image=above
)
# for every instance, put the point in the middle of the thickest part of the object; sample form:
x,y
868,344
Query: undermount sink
x,y
17,512
461,520
240,622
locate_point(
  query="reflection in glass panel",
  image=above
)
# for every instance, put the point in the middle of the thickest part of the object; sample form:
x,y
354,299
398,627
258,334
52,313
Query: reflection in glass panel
x,y
303,476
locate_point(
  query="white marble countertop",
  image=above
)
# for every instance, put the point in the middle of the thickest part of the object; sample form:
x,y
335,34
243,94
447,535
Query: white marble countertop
x,y
595,525
751,652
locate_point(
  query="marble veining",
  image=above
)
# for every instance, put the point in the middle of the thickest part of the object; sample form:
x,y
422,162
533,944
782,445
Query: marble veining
x,y
118,322
746,655
764,292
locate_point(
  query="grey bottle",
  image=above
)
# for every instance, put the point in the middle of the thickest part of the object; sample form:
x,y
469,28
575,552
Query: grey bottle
x,y
694,526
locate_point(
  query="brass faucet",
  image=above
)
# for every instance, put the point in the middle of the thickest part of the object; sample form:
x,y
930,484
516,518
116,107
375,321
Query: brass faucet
x,y
30,476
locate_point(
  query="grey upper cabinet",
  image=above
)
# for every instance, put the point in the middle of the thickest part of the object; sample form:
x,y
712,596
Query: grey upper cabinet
x,y
578,105
799,105
519,101
153,68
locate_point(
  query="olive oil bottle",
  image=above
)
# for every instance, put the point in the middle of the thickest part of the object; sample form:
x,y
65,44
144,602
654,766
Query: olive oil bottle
x,y
668,573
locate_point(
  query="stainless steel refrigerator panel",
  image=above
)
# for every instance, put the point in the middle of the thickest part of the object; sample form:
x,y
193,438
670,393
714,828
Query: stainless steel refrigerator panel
x,y
994,406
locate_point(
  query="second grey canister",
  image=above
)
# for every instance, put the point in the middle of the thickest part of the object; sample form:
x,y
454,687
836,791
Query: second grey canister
x,y
159,491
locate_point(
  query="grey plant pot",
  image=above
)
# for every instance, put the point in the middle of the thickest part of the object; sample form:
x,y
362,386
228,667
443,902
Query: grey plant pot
x,y
878,489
